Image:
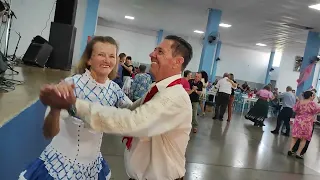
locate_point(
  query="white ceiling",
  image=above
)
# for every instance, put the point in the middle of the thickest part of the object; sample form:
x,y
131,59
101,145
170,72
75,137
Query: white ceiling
x,y
253,21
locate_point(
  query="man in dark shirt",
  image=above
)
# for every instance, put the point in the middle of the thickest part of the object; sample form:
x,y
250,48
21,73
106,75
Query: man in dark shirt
x,y
127,68
196,89
118,79
245,87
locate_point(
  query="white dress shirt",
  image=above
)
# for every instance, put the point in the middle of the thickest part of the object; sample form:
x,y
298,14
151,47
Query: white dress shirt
x,y
224,85
161,129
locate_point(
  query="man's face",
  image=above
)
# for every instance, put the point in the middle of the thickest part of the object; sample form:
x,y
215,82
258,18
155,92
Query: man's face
x,y
122,60
189,76
128,61
162,60
197,77
313,95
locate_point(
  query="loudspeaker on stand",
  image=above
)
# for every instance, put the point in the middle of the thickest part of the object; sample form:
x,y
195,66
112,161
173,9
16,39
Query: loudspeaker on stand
x,y
62,38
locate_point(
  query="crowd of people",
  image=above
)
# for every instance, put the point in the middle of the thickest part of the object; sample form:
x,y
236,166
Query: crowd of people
x,y
196,88
303,109
154,113
134,81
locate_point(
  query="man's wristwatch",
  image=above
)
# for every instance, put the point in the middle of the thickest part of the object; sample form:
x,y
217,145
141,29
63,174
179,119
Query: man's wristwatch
x,y
72,110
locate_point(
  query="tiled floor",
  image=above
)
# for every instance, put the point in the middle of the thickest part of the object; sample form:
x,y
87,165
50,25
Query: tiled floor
x,y
235,151
220,151
13,102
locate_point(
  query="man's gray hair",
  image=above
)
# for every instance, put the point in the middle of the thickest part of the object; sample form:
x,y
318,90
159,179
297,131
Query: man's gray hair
x,y
226,75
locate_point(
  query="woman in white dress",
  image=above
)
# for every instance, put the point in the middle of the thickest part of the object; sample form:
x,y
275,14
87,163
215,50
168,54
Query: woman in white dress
x,y
203,96
74,152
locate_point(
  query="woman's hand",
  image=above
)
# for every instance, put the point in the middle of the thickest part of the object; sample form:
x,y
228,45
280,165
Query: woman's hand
x,y
60,96
63,89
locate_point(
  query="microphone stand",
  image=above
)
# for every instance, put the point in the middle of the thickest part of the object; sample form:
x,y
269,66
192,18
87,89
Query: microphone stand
x,y
14,57
10,15
10,82
8,33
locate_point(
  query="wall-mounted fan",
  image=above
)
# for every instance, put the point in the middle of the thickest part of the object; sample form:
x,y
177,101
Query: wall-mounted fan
x,y
212,39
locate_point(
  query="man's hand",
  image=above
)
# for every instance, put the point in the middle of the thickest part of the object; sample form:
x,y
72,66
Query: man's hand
x,y
59,96
194,88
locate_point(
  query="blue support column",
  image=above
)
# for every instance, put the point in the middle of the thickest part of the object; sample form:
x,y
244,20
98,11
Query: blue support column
x,y
90,22
159,36
213,73
267,79
207,53
311,50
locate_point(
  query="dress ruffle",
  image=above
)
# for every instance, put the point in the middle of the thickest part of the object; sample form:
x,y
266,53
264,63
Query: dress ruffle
x,y
37,170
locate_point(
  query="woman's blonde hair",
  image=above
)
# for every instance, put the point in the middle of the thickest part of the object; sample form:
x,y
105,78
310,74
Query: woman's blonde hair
x,y
83,63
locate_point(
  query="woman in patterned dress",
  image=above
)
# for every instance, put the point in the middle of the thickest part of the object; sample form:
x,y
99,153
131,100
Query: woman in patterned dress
x,y
74,152
305,110
203,96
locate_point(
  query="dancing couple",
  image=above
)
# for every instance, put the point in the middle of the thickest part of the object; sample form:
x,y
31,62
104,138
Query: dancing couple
x,y
84,106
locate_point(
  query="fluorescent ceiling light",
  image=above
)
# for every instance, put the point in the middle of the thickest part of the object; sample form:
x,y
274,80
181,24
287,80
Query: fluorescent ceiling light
x,y
260,44
199,32
129,17
316,6
225,25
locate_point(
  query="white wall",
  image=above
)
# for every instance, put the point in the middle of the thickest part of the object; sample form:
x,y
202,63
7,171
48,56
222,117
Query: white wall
x,y
288,77
32,16
197,49
136,45
238,61
316,76
245,64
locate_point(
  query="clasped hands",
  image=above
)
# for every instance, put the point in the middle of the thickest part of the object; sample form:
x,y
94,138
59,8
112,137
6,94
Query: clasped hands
x,y
59,96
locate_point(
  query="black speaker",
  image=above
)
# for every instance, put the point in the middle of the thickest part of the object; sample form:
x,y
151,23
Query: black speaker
x,y
66,11
62,38
3,64
40,40
37,54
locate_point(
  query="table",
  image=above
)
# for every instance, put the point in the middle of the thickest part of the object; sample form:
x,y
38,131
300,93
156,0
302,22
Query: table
x,y
248,100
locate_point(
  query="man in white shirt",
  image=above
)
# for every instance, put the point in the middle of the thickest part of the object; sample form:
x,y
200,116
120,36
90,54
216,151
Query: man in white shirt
x,y
160,127
224,86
